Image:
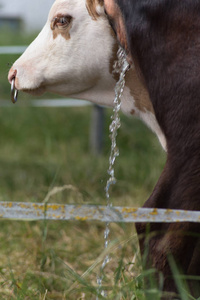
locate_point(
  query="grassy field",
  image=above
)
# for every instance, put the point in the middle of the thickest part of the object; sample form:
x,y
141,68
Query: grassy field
x,y
41,148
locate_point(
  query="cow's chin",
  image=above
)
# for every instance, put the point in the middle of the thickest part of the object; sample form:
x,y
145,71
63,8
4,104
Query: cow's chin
x,y
35,92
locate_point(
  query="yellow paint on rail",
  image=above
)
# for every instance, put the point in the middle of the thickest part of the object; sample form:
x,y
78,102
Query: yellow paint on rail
x,y
8,204
81,218
38,206
168,211
154,212
23,205
129,210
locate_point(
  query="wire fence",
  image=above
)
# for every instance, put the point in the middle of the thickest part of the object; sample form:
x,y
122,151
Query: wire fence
x,y
48,103
12,49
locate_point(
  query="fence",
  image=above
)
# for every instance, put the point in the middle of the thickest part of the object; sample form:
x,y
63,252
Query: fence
x,y
39,211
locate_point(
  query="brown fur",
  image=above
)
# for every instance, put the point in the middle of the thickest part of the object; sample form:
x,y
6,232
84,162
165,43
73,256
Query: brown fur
x,y
91,7
64,30
138,91
135,84
164,38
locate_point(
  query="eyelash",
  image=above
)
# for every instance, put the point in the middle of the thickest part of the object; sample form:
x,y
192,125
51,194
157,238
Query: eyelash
x,y
61,21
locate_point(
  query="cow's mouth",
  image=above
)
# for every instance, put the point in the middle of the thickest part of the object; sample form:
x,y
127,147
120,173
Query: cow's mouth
x,y
35,92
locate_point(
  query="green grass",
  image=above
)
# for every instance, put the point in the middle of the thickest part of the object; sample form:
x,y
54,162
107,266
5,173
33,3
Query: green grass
x,y
41,148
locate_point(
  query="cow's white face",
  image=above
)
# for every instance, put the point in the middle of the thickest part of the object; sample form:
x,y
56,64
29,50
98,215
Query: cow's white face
x,y
73,56
72,53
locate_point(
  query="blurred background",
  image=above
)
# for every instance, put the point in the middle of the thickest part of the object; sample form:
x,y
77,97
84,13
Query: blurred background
x,y
45,147
29,15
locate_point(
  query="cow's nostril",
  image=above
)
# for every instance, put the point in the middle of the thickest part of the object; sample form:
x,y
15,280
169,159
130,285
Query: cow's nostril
x,y
11,75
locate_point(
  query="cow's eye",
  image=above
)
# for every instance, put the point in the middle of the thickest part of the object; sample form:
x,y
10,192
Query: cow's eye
x,y
65,20
61,21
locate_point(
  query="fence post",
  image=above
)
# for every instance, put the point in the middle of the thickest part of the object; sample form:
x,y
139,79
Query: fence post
x,y
96,130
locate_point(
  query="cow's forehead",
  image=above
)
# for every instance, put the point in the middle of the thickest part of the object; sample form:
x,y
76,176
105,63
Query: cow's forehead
x,y
64,6
61,6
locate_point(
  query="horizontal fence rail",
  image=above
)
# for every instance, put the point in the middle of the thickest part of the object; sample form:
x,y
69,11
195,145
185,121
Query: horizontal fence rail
x,y
41,211
12,49
47,103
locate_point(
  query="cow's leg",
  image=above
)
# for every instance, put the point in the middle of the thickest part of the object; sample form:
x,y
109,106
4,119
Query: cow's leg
x,y
178,242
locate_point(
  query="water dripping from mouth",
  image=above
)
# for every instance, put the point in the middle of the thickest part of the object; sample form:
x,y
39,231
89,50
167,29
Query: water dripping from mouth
x,y
120,67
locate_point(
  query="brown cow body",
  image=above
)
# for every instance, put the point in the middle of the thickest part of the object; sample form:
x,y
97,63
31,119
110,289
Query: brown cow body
x,y
163,38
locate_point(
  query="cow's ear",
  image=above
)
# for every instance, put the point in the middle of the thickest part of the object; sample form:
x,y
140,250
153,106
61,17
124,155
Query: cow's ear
x,y
95,8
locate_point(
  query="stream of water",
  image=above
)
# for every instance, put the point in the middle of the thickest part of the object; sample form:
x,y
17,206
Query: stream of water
x,y
120,67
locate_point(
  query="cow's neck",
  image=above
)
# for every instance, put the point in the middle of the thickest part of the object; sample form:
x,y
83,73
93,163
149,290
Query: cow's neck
x,y
98,94
135,100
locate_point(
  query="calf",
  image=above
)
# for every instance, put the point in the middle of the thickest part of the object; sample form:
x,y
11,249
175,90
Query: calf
x,y
163,39
73,56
